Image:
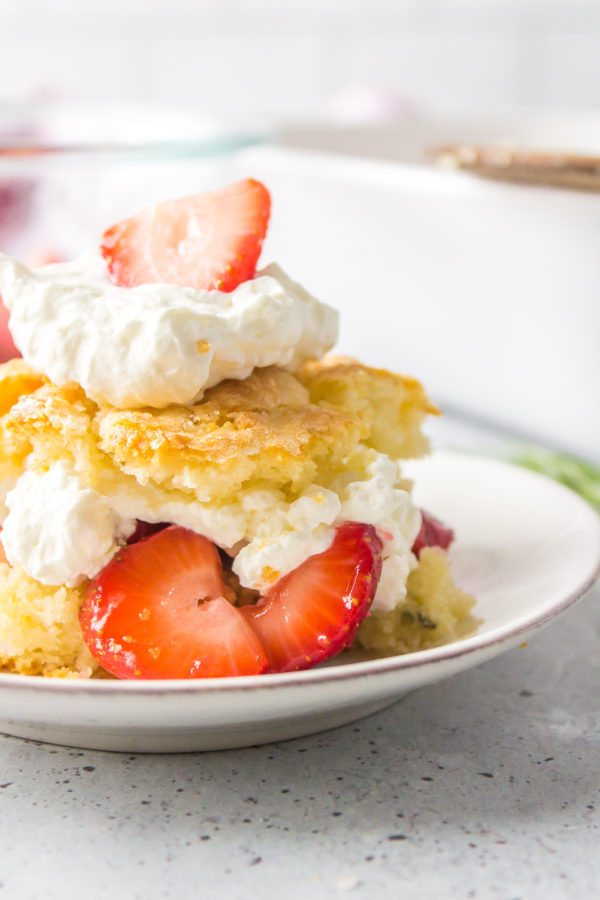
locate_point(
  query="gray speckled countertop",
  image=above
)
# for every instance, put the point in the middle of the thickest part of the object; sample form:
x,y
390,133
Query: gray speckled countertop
x,y
486,785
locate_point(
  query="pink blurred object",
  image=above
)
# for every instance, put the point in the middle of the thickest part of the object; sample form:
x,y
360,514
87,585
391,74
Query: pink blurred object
x,y
367,105
16,196
16,204
7,347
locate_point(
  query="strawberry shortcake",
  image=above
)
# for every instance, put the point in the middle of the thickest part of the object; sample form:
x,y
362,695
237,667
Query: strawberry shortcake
x,y
191,486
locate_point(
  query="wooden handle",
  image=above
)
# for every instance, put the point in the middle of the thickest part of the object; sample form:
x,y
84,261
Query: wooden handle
x,y
507,163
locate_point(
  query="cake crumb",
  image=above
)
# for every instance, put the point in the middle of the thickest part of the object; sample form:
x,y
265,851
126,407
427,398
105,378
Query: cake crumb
x,y
347,882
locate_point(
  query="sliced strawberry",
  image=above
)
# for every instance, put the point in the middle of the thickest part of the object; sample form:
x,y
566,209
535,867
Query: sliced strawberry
x,y
144,530
313,612
157,610
210,241
433,533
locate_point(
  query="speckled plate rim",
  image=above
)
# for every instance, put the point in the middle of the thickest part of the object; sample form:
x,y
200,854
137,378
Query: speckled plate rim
x,y
510,635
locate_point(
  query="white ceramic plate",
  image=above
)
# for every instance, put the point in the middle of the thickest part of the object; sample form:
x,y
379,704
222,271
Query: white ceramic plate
x,y
527,547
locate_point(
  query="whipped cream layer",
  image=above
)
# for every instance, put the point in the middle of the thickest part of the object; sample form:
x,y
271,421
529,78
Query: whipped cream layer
x,y
61,531
58,530
157,344
288,534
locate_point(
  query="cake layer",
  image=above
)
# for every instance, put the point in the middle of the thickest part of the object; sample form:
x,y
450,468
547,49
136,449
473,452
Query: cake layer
x,y
272,430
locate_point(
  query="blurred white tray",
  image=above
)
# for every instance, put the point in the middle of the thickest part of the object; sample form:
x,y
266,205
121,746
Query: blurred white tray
x,y
487,292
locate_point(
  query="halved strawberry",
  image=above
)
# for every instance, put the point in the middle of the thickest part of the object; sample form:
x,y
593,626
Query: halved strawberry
x,y
313,612
210,241
157,610
433,533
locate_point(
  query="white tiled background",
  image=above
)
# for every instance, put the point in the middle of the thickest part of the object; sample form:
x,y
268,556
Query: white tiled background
x,y
288,58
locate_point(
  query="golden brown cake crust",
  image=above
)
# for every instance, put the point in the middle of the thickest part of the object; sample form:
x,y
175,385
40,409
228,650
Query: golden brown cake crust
x,y
261,429
392,406
270,411
273,429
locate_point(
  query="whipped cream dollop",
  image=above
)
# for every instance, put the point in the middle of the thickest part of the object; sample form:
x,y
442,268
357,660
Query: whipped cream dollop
x,y
157,344
61,531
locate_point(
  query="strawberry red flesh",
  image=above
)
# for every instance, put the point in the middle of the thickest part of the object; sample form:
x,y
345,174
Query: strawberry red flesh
x,y
209,241
144,530
433,533
313,613
157,610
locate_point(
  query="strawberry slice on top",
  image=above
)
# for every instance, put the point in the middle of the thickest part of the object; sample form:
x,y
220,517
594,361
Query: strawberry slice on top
x,y
209,241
